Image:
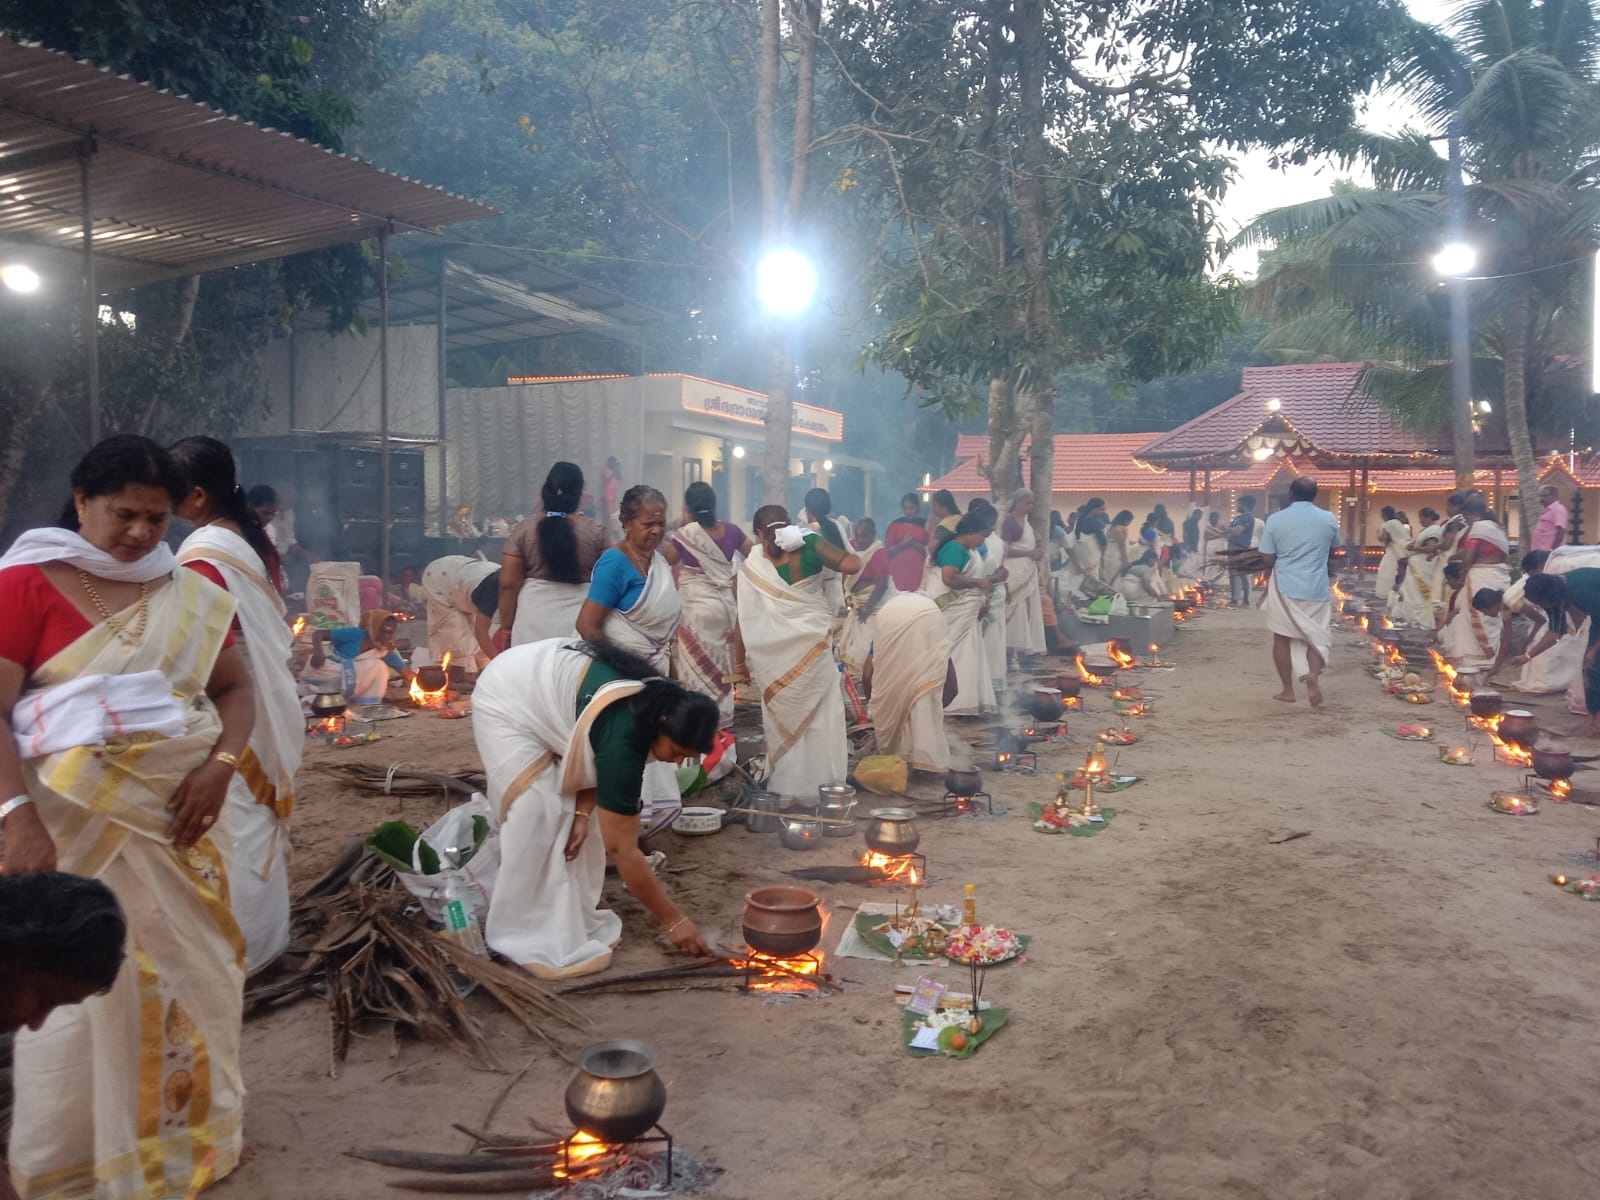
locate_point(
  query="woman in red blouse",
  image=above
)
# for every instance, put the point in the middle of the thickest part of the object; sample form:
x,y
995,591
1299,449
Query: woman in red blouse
x,y
906,540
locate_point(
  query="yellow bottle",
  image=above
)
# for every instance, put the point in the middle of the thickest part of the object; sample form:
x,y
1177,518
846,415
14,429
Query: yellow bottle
x,y
969,907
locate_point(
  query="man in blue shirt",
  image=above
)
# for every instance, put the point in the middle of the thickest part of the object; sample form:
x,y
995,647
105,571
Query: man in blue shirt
x,y
1296,544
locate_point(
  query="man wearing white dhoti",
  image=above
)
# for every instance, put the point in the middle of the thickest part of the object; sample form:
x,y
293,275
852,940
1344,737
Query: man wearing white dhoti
x,y
909,678
566,730
1296,544
787,626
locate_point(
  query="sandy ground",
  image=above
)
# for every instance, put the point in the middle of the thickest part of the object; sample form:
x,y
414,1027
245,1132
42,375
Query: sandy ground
x,y
1398,1005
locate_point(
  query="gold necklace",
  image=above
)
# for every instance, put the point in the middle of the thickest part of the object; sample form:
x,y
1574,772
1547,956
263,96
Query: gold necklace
x,y
141,612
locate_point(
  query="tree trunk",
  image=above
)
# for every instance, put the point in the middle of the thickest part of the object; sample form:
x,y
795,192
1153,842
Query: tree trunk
x,y
1038,381
1516,401
1041,460
1006,427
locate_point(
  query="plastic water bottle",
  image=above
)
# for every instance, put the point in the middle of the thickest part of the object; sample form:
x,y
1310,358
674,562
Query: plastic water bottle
x,y
461,920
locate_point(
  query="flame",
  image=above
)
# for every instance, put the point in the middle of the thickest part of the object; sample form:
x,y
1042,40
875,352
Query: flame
x,y
1511,753
1365,624
328,725
1561,789
1118,655
1094,765
299,626
582,1148
892,868
1072,702
781,974
1339,593
1395,657
912,878
1154,649
1443,667
1385,623
1087,675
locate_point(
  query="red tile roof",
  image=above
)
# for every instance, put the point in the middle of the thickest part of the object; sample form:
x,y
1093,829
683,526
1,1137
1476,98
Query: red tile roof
x,y
1322,402
1084,462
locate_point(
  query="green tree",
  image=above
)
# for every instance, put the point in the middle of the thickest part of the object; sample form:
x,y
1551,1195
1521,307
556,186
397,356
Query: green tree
x,y
1522,78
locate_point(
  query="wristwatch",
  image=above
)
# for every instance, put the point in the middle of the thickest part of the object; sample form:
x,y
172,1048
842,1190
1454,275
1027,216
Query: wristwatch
x,y
11,805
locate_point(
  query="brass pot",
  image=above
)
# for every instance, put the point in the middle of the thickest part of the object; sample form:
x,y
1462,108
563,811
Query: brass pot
x,y
329,704
892,831
960,782
1484,703
782,921
1519,727
616,1094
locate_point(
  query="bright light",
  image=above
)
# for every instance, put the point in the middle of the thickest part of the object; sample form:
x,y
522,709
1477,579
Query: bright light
x,y
1594,349
1274,404
738,451
827,464
785,281
1262,453
19,278
1455,259
1484,406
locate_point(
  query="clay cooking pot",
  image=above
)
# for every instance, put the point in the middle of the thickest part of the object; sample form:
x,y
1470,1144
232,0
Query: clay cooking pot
x,y
1045,703
616,1094
1518,727
1069,684
782,921
431,679
1552,758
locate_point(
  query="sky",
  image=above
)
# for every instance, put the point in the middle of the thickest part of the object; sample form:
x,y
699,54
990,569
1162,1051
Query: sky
x,y
1258,187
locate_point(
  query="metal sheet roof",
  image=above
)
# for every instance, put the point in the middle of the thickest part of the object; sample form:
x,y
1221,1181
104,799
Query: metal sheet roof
x,y
177,187
496,295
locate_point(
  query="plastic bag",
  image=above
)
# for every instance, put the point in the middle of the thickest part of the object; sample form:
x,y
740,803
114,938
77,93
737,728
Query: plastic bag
x,y
451,837
882,774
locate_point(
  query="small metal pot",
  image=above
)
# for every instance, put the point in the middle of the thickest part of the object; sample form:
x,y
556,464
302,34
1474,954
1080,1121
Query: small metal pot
x,y
959,782
892,831
329,704
783,921
1484,703
765,817
616,1094
799,833
1519,727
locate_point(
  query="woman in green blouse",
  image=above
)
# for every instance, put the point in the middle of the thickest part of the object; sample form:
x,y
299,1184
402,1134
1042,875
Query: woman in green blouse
x,y
962,589
565,730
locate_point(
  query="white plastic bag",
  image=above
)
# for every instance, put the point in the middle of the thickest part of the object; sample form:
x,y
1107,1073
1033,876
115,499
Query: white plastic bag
x,y
453,832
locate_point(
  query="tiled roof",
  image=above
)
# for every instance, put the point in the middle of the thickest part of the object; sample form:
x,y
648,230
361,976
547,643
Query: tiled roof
x,y
1321,401
1084,462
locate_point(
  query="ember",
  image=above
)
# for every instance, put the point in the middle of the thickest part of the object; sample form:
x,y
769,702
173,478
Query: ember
x,y
764,973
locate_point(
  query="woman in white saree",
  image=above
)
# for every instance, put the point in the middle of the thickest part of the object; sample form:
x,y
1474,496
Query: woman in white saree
x,y
864,592
708,657
226,547
1024,605
463,594
633,603
126,710
1417,596
787,626
545,566
566,731
1394,535
1472,638
955,586
907,677
991,565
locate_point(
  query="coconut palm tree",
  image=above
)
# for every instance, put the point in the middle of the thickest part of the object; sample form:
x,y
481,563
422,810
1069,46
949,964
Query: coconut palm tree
x,y
1522,80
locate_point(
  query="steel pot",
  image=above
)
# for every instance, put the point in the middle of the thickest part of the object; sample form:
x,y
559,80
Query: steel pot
x,y
959,782
1484,703
836,801
892,831
1519,727
799,833
616,1094
782,921
765,817
329,704
1045,703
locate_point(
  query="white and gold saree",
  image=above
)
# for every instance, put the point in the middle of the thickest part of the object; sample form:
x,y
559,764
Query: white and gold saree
x,y
787,630
910,657
702,655
136,1095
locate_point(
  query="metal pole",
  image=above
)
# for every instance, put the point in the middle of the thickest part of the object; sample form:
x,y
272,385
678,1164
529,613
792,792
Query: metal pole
x,y
444,389
1460,338
91,296
384,505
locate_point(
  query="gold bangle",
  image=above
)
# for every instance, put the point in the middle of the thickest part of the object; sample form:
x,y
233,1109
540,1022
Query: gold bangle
x,y
675,924
578,812
226,756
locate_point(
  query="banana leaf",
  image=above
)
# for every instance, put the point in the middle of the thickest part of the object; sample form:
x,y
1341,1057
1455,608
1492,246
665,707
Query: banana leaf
x,y
393,842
